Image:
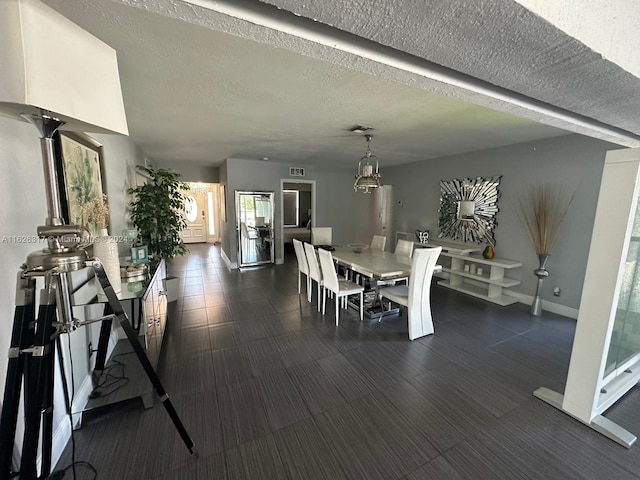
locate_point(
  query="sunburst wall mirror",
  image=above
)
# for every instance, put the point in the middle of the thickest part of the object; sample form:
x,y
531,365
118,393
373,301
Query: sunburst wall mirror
x,y
468,209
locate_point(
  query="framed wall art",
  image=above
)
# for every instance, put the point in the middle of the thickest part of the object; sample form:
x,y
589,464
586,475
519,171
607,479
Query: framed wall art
x,y
80,178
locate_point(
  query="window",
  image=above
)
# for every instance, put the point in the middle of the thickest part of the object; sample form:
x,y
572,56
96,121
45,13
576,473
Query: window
x,y
212,216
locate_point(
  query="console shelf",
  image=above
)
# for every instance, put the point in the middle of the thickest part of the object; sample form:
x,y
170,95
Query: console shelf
x,y
489,285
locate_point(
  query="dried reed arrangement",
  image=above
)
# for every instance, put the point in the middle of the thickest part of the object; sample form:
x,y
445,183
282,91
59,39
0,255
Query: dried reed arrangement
x,y
541,209
96,211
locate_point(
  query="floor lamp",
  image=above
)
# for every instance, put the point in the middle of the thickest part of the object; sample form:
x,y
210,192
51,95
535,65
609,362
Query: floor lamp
x,y
80,91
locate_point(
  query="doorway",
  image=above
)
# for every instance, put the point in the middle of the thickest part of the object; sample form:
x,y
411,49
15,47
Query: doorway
x,y
297,215
254,228
201,213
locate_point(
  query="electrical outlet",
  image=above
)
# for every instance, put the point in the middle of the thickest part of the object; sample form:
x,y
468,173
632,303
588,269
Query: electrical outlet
x,y
556,291
90,349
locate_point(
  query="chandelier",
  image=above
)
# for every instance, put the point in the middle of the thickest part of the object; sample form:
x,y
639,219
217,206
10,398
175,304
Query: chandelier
x,y
367,176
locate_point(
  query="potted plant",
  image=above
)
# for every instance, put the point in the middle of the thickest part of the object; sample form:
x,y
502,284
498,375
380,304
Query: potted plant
x,y
156,212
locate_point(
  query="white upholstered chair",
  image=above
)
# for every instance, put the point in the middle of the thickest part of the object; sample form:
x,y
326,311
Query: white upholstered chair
x,y
303,265
378,242
404,248
321,235
417,295
314,272
249,237
341,288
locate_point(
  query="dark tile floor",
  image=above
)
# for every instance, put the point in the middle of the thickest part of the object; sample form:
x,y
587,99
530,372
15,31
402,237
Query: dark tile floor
x,y
270,389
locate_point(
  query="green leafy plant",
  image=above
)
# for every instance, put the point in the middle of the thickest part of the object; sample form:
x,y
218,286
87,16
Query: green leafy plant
x,y
156,212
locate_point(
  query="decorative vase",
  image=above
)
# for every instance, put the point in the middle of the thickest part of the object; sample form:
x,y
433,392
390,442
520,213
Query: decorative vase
x,y
105,248
488,252
542,273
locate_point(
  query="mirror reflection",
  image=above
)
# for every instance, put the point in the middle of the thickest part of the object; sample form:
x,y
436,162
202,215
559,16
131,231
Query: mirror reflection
x,y
468,209
254,215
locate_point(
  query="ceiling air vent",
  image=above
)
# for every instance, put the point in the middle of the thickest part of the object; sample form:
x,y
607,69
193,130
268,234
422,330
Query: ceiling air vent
x,y
296,172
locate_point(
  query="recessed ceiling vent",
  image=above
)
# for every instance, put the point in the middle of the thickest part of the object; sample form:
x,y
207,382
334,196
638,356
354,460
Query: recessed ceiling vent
x,y
360,129
296,172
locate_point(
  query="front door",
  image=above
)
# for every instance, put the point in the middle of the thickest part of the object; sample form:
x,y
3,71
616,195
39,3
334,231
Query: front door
x,y
195,213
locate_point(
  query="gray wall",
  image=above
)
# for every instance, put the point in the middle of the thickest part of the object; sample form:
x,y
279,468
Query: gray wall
x,y
572,161
24,208
334,194
193,172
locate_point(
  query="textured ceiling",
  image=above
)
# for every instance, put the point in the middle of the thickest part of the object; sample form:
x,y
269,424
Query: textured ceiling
x,y
202,85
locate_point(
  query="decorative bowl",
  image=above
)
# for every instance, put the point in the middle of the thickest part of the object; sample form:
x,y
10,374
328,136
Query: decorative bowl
x,y
357,247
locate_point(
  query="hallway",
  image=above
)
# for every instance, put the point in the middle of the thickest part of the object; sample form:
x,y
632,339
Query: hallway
x,y
270,389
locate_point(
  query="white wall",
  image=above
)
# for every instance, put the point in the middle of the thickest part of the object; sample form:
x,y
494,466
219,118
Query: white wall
x,y
23,208
193,172
572,161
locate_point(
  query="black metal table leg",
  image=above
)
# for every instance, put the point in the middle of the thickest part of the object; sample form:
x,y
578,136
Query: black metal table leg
x,y
117,309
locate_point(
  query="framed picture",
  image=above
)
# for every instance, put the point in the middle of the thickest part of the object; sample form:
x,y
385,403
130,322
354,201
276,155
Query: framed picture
x,y
80,177
140,255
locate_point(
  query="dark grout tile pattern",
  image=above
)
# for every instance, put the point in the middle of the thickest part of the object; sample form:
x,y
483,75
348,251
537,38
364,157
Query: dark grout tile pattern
x,y
268,388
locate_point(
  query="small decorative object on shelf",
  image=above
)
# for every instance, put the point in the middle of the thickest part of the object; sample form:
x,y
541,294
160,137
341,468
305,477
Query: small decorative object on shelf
x,y
422,236
489,252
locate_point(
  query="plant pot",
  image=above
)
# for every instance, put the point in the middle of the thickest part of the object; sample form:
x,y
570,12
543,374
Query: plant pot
x,y
172,287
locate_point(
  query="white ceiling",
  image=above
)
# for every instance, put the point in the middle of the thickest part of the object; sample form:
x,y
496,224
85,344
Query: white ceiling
x,y
208,80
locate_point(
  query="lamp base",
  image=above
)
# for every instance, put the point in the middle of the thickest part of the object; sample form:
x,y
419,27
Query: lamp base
x,y
68,260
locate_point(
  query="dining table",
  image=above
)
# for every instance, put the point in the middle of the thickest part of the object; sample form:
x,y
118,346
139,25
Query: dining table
x,y
380,268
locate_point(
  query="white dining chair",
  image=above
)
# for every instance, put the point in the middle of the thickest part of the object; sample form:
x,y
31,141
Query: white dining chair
x,y
341,288
314,272
417,295
248,237
303,265
321,235
378,242
404,248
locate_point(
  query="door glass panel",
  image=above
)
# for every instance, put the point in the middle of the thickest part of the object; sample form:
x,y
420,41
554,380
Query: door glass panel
x,y
625,338
191,208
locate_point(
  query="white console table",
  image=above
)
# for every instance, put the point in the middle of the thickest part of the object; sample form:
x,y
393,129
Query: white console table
x,y
489,285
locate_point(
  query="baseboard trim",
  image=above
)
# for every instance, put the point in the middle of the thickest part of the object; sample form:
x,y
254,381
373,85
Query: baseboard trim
x,y
548,306
230,265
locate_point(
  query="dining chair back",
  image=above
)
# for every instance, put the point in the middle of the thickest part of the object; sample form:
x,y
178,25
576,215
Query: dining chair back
x,y
303,265
314,270
378,242
404,248
321,235
248,237
340,287
417,295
